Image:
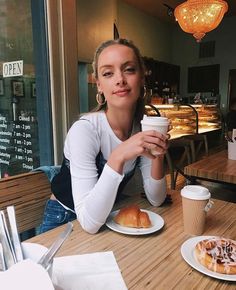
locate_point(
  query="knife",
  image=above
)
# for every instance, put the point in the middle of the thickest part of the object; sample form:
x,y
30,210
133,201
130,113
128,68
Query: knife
x,y
47,258
8,251
14,233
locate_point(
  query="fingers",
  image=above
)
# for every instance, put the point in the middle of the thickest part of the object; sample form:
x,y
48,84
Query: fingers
x,y
154,143
170,127
152,154
168,136
155,134
147,143
153,149
148,154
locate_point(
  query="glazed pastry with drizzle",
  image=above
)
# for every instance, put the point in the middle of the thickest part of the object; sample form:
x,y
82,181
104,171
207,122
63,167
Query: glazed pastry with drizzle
x,y
217,254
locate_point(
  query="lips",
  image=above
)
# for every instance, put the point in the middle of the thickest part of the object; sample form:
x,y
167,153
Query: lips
x,y
121,92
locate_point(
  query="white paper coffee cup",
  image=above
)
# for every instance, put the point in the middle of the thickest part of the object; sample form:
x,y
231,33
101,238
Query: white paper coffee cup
x,y
159,124
194,202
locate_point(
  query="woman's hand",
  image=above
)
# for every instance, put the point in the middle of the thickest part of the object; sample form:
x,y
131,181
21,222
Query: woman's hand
x,y
147,143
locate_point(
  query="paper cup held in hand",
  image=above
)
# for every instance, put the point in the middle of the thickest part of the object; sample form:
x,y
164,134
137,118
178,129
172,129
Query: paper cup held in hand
x,y
195,204
159,124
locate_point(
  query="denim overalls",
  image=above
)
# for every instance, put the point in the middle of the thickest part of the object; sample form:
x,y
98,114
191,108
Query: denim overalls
x,y
55,214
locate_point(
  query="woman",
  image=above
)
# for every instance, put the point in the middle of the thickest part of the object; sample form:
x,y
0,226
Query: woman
x,y
103,148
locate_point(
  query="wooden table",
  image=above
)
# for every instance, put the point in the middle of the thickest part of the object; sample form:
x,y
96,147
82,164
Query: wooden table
x,y
153,261
216,167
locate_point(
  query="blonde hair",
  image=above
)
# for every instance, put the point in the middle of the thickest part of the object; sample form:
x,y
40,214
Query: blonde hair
x,y
140,103
120,41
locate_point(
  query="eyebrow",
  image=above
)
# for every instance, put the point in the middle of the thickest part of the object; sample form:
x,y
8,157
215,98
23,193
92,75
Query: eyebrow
x,y
124,64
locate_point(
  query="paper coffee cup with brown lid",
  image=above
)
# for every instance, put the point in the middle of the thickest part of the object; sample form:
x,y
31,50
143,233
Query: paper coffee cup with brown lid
x,y
195,203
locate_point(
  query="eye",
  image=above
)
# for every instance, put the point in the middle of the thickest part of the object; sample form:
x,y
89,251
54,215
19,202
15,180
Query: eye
x,y
107,74
130,69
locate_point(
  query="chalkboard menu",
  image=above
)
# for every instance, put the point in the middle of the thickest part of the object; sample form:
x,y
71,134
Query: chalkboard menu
x,y
19,150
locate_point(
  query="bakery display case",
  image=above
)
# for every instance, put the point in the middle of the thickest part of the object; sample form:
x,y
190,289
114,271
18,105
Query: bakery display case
x,y
188,119
209,118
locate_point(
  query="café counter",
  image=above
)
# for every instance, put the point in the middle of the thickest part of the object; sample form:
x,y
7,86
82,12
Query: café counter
x,y
188,119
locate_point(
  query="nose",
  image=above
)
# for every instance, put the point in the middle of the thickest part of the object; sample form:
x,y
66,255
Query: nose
x,y
120,79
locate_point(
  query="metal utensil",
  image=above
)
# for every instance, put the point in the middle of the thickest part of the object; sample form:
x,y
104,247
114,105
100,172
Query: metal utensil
x,y
8,251
14,233
2,261
46,259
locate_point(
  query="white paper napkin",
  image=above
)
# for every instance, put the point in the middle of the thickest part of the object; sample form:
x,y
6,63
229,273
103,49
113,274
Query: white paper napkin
x,y
96,271
26,275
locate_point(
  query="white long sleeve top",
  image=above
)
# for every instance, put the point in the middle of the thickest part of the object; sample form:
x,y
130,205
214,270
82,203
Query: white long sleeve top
x,y
94,197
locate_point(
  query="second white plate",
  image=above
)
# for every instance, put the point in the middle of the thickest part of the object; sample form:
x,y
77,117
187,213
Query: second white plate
x,y
187,252
156,220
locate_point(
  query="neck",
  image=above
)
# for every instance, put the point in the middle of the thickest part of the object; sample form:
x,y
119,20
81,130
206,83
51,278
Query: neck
x,y
121,122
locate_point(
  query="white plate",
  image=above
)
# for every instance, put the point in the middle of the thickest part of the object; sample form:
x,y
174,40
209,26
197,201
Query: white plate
x,y
156,220
187,252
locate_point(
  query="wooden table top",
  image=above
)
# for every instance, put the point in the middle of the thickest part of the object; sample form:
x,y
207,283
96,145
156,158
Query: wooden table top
x,y
215,167
153,261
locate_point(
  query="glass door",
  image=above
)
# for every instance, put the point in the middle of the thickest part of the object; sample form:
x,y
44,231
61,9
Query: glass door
x,y
23,87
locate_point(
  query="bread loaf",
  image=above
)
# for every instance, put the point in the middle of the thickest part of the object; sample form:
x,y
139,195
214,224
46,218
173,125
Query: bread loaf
x,y
132,216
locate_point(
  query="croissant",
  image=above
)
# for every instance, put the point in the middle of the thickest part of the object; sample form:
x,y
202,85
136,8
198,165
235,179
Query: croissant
x,y
132,216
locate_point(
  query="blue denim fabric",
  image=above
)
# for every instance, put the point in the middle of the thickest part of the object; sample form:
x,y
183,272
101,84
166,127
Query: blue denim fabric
x,y
55,215
50,171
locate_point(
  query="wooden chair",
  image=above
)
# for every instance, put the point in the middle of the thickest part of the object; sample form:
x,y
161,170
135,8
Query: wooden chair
x,y
196,142
28,192
176,165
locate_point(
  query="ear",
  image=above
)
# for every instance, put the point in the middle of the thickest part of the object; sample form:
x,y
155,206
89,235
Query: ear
x,y
98,86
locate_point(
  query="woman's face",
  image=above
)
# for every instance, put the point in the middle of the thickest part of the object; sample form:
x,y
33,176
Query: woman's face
x,y
119,76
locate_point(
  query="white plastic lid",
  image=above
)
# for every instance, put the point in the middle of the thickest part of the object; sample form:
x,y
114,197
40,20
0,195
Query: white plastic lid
x,y
155,120
196,192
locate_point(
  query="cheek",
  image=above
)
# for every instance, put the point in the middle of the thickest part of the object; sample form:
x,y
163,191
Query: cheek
x,y
103,86
137,85
137,81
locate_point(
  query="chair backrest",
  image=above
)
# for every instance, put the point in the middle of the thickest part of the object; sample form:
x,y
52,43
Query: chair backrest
x,y
28,192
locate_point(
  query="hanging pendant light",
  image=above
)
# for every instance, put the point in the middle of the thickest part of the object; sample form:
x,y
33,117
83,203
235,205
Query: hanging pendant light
x,y
200,16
